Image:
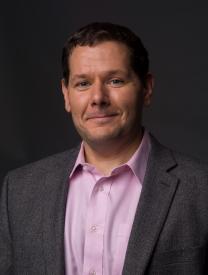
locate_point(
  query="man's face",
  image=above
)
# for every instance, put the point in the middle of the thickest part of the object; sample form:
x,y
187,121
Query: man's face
x,y
104,95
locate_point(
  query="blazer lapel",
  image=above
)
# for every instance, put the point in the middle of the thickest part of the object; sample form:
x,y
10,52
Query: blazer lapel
x,y
56,190
157,194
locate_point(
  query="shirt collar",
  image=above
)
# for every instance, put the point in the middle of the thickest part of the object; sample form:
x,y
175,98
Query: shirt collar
x,y
137,163
80,161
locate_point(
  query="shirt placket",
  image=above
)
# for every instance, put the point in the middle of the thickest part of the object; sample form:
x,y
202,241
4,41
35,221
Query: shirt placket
x,y
95,228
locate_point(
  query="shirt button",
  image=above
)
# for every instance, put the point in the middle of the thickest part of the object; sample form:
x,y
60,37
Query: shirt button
x,y
93,228
92,272
101,189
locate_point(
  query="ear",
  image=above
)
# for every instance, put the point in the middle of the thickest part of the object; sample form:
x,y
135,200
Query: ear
x,y
65,91
148,89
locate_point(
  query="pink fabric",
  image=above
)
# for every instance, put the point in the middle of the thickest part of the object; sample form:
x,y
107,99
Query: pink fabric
x,y
100,213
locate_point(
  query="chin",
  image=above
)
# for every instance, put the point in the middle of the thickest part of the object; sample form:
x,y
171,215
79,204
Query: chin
x,y
102,138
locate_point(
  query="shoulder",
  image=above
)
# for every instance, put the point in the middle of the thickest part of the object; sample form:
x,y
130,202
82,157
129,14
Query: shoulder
x,y
63,161
178,163
192,175
191,165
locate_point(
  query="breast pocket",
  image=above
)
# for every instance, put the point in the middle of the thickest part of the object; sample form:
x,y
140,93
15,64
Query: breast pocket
x,y
188,261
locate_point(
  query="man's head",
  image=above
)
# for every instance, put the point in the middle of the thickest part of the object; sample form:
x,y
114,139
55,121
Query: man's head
x,y
95,33
104,88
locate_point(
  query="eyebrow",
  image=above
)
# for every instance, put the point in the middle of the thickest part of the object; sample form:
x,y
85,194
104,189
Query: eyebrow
x,y
78,76
107,73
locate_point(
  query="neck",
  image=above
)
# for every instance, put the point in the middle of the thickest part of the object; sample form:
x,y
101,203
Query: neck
x,y
107,157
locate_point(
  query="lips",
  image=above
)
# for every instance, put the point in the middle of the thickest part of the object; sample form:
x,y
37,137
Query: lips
x,y
100,115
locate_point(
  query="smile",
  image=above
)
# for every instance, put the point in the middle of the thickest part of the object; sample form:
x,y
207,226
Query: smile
x,y
101,118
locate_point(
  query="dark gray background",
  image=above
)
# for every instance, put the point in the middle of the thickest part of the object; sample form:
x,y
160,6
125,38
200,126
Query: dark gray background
x,y
32,117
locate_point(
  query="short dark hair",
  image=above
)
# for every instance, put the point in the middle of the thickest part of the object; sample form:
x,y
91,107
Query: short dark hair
x,y
98,32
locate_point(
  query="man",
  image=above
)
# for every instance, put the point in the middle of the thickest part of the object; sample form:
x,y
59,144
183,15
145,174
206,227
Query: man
x,y
120,203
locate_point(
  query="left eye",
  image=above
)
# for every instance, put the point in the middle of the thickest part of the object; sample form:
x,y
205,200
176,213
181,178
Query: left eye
x,y
116,82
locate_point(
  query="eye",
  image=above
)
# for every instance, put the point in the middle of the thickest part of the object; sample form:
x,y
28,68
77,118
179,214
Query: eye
x,y
116,82
82,85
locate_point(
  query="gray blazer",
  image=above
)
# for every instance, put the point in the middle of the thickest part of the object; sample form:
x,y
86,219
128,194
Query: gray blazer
x,y
169,233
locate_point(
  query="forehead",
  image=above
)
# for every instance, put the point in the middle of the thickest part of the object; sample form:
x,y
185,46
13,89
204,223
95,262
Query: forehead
x,y
103,56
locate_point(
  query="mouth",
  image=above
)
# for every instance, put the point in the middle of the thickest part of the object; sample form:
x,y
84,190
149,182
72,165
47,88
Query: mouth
x,y
100,117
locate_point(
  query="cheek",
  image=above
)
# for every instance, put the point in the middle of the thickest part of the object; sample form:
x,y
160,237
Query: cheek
x,y
132,110
128,101
78,104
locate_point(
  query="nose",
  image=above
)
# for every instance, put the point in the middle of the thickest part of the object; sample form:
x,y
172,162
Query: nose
x,y
99,95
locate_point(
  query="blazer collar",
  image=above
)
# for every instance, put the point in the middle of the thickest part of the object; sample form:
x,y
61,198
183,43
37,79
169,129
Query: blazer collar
x,y
156,197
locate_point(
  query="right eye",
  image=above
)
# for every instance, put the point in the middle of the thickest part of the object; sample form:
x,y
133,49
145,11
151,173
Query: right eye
x,y
82,85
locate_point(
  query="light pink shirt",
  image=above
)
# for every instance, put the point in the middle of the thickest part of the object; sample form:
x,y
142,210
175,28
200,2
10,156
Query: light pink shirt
x,y
100,213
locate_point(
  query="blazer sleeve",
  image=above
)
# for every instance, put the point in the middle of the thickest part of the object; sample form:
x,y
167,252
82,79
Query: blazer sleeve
x,y
5,234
